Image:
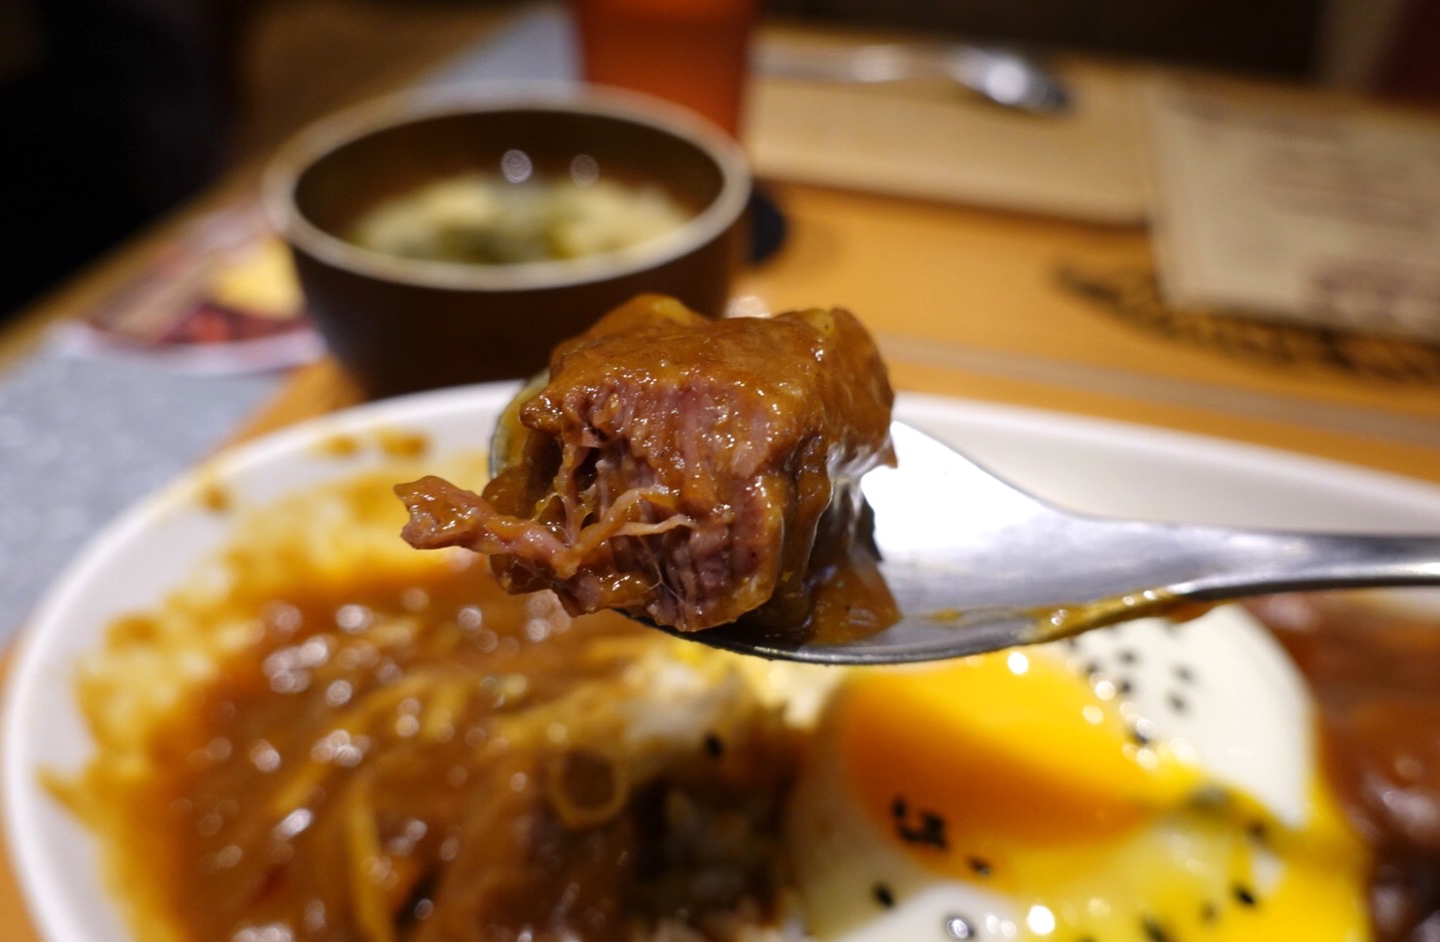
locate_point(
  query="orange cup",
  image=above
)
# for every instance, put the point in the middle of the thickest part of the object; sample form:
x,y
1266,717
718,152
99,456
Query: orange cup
x,y
691,52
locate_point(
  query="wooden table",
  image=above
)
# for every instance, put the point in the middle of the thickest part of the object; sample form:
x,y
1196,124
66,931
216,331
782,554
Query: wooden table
x,y
1030,311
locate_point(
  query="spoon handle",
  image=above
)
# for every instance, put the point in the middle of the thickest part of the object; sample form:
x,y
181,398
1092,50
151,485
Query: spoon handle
x,y
1258,562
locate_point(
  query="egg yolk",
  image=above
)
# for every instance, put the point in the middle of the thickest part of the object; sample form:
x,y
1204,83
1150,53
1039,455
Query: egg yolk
x,y
1011,771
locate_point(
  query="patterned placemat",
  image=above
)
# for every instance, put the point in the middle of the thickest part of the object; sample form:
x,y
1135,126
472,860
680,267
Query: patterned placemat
x,y
1133,295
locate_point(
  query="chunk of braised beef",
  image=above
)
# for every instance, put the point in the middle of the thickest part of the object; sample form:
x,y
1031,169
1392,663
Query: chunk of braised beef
x,y
684,470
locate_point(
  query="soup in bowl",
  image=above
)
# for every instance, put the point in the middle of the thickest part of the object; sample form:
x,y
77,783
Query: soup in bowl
x,y
444,237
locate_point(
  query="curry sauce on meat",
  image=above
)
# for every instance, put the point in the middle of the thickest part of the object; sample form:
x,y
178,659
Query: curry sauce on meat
x,y
688,471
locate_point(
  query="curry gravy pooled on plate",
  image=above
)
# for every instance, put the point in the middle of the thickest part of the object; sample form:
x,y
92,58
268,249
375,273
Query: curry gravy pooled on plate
x,y
345,739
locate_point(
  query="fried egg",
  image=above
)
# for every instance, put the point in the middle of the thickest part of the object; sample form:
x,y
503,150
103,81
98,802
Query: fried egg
x,y
1154,781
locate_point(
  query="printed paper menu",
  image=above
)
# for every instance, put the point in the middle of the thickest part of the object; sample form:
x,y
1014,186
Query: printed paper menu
x,y
1272,205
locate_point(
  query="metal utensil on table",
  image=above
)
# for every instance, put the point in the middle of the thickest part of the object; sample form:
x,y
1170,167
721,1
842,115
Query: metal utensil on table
x,y
976,565
1005,77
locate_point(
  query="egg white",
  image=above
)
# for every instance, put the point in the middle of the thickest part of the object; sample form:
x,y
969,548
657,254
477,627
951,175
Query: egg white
x,y
1220,692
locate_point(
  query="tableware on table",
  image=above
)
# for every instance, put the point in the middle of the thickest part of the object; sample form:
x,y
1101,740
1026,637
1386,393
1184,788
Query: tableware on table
x,y
1004,77
692,52
975,565
926,141
141,557
400,324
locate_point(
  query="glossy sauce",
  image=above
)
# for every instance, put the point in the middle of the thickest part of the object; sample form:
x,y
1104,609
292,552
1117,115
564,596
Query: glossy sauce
x,y
418,755
690,472
1375,672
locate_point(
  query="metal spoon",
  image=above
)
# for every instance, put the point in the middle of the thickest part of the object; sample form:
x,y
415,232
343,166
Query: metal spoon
x,y
976,565
1002,76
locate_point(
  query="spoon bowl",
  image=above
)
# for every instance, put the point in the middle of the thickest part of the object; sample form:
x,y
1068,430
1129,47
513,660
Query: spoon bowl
x,y
975,564
1004,77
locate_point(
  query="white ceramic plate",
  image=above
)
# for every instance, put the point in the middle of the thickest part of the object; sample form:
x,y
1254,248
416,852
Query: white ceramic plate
x,y
1091,465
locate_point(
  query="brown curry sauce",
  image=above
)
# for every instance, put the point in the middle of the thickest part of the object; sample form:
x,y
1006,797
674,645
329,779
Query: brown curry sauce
x,y
1375,674
384,763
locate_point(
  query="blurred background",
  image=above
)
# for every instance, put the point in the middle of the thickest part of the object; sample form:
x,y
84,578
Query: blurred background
x,y
116,110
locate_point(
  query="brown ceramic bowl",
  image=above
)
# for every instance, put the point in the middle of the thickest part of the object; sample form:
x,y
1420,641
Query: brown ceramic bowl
x,y
399,324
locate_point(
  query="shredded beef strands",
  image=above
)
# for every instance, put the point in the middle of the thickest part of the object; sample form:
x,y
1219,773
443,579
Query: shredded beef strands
x,y
688,471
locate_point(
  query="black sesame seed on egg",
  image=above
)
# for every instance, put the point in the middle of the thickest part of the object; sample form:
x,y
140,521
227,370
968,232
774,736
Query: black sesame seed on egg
x,y
1212,798
1244,895
928,831
1154,932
